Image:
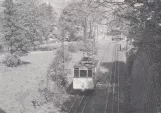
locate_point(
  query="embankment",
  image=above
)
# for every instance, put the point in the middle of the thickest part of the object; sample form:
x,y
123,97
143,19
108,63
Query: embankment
x,y
143,83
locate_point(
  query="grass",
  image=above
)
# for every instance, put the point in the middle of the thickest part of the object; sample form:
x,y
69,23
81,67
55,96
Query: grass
x,y
19,85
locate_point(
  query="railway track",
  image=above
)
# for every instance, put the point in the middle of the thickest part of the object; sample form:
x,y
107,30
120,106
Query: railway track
x,y
114,81
108,88
75,106
80,102
112,100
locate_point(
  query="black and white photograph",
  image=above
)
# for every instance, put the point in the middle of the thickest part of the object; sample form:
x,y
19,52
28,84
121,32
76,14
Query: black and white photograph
x,y
80,56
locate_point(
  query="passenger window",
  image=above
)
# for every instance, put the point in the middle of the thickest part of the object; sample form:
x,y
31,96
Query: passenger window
x,y
76,72
83,73
90,73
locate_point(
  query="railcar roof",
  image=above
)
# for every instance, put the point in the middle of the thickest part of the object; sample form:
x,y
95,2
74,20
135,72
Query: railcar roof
x,y
86,62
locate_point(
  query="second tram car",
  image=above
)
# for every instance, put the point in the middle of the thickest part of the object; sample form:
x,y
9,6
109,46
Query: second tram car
x,y
85,74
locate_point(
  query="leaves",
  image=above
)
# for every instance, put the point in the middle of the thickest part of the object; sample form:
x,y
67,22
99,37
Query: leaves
x,y
26,22
77,20
39,20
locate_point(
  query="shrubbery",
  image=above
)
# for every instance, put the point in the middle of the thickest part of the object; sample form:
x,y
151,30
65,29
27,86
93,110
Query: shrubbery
x,y
21,53
12,60
44,48
57,70
63,54
57,78
57,73
72,48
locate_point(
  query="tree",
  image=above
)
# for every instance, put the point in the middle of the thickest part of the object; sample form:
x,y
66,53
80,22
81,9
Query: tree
x,y
145,29
79,18
13,34
47,20
38,19
25,24
144,24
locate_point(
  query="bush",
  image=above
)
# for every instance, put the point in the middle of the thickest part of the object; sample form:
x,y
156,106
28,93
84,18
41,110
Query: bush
x,y
12,60
60,54
88,47
72,48
44,48
57,71
21,53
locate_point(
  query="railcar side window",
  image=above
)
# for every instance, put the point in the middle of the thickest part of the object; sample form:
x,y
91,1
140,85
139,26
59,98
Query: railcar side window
x,y
89,72
76,72
83,73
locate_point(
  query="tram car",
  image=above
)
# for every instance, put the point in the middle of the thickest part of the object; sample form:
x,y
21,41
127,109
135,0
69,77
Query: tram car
x,y
85,74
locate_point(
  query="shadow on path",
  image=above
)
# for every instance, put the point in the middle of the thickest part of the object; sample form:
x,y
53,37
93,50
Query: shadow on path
x,y
1,111
24,63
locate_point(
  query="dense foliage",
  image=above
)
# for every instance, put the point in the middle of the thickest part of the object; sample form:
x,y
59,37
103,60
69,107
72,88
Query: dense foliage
x,y
57,78
78,21
145,19
12,32
72,47
12,60
79,16
26,24
38,19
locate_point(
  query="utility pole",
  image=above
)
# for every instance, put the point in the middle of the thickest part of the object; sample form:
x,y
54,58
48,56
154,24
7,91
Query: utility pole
x,y
62,44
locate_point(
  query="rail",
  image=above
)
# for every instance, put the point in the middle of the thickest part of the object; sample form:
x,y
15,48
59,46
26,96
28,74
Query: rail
x,y
115,80
80,103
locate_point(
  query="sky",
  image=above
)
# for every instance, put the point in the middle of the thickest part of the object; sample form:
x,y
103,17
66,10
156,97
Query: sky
x,y
58,5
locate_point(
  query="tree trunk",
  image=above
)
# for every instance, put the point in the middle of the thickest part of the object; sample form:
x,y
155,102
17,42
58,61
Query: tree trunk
x,y
85,36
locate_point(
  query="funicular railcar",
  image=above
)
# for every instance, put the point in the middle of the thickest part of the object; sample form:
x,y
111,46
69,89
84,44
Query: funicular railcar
x,y
84,74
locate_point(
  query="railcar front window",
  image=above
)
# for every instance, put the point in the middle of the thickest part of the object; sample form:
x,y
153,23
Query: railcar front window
x,y
83,73
76,72
89,73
